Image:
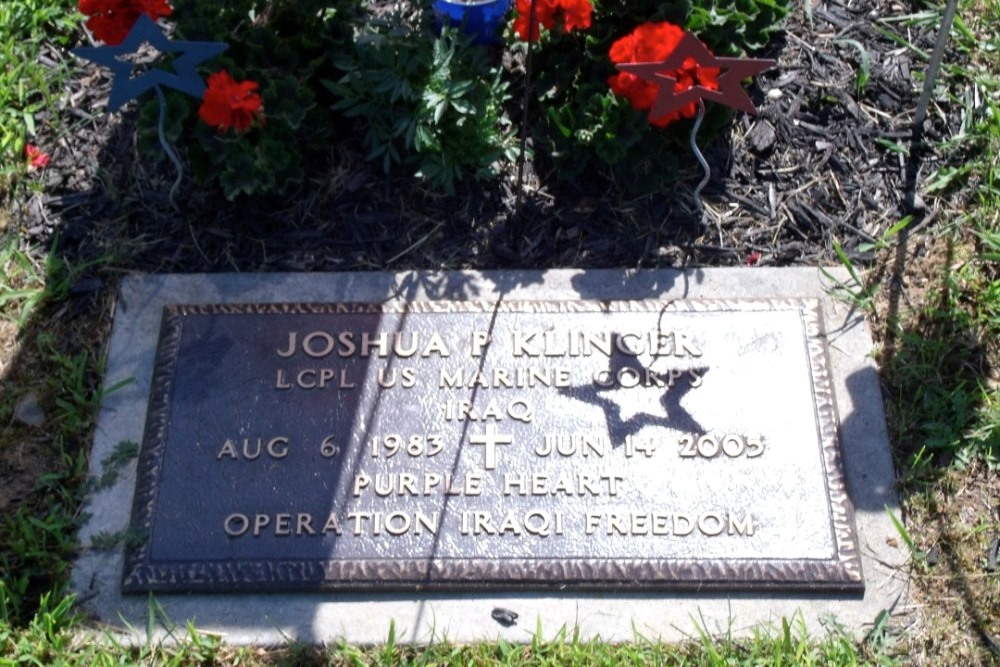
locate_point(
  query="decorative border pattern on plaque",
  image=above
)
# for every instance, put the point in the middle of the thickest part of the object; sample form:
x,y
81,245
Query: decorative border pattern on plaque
x,y
840,574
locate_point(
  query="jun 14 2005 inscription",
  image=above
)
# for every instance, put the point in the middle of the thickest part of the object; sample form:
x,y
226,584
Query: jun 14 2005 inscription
x,y
645,444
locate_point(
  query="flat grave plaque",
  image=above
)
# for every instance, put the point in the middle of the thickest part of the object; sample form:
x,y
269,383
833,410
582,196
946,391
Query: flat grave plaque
x,y
648,445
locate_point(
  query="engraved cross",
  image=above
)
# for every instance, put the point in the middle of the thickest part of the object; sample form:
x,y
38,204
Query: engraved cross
x,y
491,439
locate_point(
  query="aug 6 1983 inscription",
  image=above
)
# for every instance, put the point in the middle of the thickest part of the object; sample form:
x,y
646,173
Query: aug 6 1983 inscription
x,y
569,444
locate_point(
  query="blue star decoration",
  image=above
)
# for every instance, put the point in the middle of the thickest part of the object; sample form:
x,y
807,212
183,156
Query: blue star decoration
x,y
730,90
125,87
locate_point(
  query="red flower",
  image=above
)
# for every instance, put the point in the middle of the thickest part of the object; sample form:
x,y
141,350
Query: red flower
x,y
111,20
36,158
653,43
575,15
228,103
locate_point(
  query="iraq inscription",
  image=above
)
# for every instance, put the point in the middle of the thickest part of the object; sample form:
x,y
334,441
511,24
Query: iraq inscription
x,y
642,444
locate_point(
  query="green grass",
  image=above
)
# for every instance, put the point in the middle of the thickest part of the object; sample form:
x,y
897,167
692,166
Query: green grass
x,y
947,412
941,363
947,402
39,538
26,86
26,281
22,280
54,634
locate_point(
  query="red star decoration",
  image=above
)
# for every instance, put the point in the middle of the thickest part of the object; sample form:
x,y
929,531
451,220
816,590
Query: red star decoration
x,y
730,90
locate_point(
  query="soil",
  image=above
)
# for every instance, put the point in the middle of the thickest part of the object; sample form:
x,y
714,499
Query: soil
x,y
828,160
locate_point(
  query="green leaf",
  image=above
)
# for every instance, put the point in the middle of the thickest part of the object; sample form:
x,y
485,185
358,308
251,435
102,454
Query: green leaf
x,y
423,138
555,117
410,132
238,176
904,534
376,151
287,100
464,107
439,110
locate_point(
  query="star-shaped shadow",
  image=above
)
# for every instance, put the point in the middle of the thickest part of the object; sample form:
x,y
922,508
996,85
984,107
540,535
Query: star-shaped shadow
x,y
626,417
730,90
125,87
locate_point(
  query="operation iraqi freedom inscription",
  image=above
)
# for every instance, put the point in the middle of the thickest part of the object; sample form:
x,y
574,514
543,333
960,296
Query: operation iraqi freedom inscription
x,y
570,444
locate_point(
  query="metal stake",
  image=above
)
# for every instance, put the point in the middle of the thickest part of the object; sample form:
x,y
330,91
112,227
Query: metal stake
x,y
701,160
930,78
516,227
167,148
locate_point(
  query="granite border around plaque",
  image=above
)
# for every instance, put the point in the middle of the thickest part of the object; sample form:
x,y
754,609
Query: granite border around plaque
x,y
840,573
465,616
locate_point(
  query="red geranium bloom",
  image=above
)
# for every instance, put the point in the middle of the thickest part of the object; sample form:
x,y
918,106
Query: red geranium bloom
x,y
36,158
111,20
653,43
575,15
229,103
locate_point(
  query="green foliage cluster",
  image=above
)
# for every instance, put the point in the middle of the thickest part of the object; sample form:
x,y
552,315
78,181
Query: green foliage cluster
x,y
428,103
585,127
732,26
431,103
284,46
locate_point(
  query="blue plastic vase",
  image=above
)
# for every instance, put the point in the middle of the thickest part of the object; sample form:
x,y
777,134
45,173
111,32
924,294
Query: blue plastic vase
x,y
480,19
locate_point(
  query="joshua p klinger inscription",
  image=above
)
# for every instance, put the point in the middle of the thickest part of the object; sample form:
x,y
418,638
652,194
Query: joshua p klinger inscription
x,y
643,444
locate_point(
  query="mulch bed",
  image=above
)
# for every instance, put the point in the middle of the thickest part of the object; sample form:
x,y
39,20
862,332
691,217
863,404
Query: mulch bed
x,y
816,165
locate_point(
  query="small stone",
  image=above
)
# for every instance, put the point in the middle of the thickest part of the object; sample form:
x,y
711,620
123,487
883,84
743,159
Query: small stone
x,y
915,203
504,617
762,137
29,412
993,556
774,94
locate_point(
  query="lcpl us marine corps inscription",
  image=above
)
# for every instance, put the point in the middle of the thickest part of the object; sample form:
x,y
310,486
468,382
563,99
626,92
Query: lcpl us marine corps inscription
x,y
641,444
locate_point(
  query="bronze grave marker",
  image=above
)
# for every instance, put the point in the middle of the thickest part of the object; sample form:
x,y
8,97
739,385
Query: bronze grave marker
x,y
496,445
